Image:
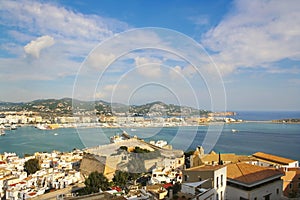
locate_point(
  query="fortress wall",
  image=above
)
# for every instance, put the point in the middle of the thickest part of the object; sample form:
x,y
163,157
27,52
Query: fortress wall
x,y
91,163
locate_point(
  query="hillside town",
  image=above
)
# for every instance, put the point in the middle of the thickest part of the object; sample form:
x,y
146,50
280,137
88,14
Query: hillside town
x,y
151,170
51,114
11,119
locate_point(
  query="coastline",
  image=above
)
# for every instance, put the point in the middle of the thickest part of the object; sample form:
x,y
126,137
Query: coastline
x,y
134,126
272,137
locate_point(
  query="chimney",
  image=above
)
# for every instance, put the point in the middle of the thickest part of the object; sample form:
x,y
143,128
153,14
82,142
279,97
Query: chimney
x,y
220,161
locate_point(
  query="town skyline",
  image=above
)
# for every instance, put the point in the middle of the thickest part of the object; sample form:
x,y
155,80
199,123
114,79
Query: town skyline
x,y
254,45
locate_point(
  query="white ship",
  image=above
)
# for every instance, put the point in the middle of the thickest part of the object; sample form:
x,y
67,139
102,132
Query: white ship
x,y
234,130
118,138
159,143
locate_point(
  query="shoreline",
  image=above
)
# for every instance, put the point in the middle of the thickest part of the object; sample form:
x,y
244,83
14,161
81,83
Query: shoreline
x,y
74,126
114,130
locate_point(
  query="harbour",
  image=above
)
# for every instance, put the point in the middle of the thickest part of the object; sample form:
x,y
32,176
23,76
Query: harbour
x,y
279,139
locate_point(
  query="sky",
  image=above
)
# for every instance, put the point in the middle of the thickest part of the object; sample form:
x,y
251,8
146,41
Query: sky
x,y
214,55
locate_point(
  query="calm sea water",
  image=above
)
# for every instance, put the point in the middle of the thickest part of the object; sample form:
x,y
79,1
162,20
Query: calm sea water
x,y
278,139
267,115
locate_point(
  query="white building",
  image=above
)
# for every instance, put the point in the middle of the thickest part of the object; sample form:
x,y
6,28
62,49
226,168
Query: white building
x,y
215,177
269,160
246,181
197,191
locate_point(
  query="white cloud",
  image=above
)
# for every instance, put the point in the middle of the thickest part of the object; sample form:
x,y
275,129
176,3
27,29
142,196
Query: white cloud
x,y
99,61
256,33
35,46
45,17
148,67
75,34
175,72
109,91
186,72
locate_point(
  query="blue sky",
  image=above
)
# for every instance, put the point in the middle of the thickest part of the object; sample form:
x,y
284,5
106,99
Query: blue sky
x,y
52,49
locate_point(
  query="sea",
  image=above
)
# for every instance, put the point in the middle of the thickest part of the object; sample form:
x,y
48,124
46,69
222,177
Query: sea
x,y
246,138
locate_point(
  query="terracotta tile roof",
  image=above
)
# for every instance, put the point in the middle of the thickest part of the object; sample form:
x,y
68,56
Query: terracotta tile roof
x,y
289,175
296,169
28,178
32,193
273,158
205,168
228,157
250,174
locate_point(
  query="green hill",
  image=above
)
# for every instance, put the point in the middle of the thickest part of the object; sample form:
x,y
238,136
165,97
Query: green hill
x,y
69,107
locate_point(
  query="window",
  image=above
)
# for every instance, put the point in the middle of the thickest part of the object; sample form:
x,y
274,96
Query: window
x,y
217,196
267,197
217,182
221,180
255,198
291,185
277,191
199,178
221,195
298,185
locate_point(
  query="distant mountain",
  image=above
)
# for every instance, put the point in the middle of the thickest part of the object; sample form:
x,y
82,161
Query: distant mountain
x,y
69,107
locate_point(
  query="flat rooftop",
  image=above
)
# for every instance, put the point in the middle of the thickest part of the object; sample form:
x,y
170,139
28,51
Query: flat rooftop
x,y
109,149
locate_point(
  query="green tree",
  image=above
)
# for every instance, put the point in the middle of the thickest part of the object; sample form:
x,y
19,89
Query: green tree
x,y
31,166
120,178
96,181
124,148
140,150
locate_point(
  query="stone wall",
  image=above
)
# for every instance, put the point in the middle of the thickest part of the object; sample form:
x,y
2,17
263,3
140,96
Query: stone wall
x,y
91,163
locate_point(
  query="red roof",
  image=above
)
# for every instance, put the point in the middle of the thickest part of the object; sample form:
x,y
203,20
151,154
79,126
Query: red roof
x,y
32,193
167,185
116,188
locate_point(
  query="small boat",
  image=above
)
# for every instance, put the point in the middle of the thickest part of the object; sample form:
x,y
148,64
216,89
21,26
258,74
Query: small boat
x,y
43,127
55,133
234,130
13,127
2,132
